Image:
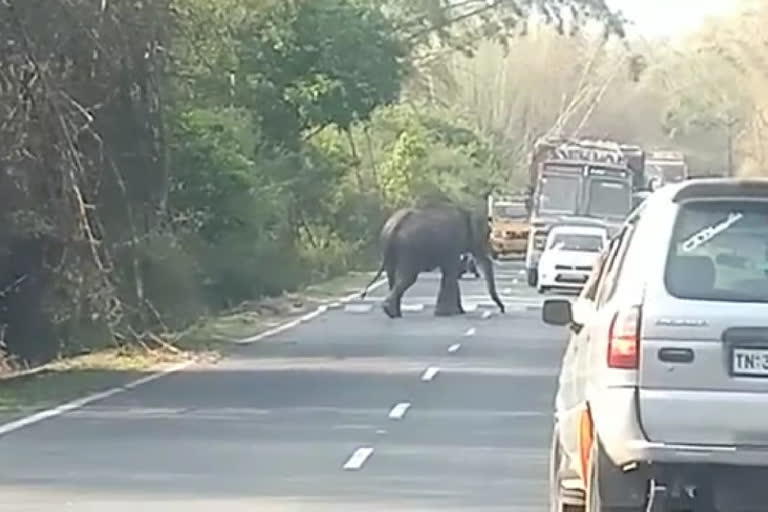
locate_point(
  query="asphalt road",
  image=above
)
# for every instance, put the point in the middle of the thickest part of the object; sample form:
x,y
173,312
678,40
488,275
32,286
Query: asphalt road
x,y
315,419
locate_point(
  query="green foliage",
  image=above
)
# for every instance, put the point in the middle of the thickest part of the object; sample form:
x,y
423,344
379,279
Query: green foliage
x,y
443,27
408,154
297,70
214,184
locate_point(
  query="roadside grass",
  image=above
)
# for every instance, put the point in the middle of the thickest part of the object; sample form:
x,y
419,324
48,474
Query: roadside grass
x,y
67,379
209,339
250,319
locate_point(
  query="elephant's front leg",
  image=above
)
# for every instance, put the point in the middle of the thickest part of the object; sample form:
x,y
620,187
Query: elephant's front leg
x,y
459,307
448,297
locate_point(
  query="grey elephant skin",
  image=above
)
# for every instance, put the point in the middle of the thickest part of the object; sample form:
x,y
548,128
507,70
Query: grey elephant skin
x,y
415,240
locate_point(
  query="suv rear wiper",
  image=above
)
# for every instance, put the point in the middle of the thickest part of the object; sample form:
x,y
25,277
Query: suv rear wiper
x,y
708,233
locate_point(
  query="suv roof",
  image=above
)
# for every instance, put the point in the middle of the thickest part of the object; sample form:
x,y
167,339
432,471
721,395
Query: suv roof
x,y
705,188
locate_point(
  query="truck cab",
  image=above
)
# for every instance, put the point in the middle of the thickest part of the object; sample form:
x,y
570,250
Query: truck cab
x,y
577,183
665,167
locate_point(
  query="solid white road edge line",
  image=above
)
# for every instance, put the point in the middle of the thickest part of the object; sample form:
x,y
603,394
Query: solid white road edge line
x,y
398,411
470,332
430,373
358,458
81,402
454,348
39,416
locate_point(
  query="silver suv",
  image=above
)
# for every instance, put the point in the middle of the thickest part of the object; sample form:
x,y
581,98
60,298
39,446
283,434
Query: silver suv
x,y
662,400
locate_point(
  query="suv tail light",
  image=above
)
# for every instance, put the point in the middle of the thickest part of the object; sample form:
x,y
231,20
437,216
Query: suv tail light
x,y
624,339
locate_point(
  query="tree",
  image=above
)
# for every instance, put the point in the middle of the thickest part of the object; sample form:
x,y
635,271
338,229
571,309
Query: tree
x,y
570,86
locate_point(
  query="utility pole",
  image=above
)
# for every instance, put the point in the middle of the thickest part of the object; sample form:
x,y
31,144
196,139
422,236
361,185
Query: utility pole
x,y
730,151
730,122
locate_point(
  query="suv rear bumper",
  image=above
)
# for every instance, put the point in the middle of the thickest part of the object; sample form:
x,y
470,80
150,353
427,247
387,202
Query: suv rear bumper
x,y
637,450
615,415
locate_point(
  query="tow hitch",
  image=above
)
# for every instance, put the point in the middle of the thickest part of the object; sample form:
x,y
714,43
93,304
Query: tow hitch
x,y
678,497
657,497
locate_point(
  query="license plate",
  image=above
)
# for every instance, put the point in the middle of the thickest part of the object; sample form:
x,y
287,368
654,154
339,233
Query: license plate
x,y
749,362
571,279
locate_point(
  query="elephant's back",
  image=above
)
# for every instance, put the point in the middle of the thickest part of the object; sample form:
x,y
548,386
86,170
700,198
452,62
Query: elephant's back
x,y
433,229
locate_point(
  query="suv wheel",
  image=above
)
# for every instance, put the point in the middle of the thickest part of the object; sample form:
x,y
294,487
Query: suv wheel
x,y
594,501
555,490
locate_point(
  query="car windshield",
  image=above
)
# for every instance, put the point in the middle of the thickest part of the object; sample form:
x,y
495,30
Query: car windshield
x,y
576,242
719,251
609,198
559,194
509,211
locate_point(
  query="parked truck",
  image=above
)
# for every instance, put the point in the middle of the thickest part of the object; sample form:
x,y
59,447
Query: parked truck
x,y
579,182
662,167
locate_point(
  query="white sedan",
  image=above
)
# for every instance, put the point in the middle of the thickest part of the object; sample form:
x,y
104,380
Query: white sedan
x,y
568,257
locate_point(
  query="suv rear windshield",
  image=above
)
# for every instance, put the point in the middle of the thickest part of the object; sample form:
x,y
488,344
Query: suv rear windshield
x,y
719,251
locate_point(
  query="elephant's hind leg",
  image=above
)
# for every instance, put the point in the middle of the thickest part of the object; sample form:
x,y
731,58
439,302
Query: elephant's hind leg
x,y
391,278
403,281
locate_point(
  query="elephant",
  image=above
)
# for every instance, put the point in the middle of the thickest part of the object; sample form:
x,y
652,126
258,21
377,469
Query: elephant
x,y
415,240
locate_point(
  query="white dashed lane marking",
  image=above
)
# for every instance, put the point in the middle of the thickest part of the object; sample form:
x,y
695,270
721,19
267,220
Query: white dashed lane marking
x,y
430,373
454,348
487,314
398,411
358,458
412,307
358,308
470,332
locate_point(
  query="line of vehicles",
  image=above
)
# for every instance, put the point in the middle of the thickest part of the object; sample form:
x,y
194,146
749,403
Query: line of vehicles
x,y
579,193
662,396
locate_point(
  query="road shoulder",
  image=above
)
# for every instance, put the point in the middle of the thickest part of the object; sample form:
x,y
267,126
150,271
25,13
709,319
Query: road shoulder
x,y
208,341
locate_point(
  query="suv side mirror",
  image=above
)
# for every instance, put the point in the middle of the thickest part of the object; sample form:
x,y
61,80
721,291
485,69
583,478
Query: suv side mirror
x,y
557,312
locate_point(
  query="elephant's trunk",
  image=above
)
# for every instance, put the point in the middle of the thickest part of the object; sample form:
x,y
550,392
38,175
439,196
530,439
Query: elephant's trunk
x,y
487,265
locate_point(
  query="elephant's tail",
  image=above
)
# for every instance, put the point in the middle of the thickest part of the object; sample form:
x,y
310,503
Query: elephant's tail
x,y
389,231
375,278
